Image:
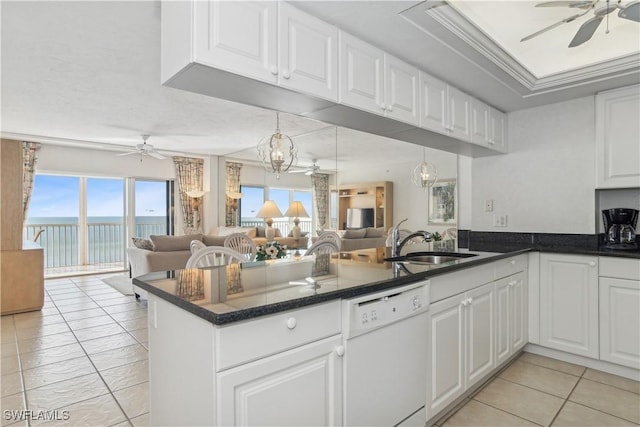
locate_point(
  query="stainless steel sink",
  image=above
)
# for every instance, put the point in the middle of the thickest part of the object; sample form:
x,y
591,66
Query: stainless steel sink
x,y
430,257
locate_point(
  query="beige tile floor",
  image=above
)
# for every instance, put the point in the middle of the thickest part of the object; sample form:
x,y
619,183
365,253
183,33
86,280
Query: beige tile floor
x,y
84,357
539,391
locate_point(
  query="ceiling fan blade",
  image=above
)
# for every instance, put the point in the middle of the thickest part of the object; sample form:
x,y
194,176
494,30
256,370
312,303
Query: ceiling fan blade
x,y
156,155
631,11
126,154
551,27
572,4
586,31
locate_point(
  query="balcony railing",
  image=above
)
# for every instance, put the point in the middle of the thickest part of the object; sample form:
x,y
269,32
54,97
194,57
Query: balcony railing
x,y
105,242
284,226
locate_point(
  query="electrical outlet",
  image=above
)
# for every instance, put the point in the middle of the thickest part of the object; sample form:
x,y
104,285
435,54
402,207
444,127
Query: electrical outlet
x,y
488,205
499,220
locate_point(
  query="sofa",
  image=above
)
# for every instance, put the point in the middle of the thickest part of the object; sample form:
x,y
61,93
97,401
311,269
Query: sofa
x,y
364,238
162,253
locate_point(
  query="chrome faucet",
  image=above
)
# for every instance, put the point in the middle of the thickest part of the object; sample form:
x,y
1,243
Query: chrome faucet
x,y
397,244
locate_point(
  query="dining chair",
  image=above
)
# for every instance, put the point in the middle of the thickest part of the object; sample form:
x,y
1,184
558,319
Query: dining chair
x,y
196,245
211,256
243,244
322,247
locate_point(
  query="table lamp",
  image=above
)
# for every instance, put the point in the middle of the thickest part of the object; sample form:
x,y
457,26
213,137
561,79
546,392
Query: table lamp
x,y
268,211
296,210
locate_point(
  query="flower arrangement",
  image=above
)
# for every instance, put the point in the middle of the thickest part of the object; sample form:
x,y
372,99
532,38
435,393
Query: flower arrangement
x,y
271,250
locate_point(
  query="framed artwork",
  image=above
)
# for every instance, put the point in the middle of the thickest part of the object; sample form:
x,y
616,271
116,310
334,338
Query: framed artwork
x,y
442,202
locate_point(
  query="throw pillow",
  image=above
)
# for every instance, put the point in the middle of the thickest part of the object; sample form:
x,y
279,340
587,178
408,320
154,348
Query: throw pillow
x,y
374,232
302,233
141,243
355,234
260,232
164,243
225,231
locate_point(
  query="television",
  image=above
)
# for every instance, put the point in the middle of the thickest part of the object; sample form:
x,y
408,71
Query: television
x,y
358,218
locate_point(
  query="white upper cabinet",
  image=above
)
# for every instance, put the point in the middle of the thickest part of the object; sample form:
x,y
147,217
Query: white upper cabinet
x,y
308,53
240,37
268,41
401,90
618,138
374,81
488,126
444,109
361,74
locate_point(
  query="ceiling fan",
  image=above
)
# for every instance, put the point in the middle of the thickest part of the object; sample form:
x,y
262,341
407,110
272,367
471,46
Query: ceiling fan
x,y
600,9
310,170
144,149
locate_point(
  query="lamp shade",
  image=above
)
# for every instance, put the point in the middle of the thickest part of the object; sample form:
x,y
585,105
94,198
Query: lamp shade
x,y
269,210
296,209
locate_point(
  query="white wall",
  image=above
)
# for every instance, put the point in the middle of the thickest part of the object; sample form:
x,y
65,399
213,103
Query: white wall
x,y
546,182
409,201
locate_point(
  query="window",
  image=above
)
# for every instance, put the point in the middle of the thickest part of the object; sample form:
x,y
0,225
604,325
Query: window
x,y
253,198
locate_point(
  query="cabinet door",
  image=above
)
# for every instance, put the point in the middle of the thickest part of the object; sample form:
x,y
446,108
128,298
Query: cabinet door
x,y
503,320
619,320
361,74
239,37
401,90
569,303
498,130
298,387
480,123
446,326
433,103
458,105
308,53
518,311
617,135
480,341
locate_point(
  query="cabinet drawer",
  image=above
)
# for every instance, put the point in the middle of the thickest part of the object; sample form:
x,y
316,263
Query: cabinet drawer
x,y
246,341
621,268
512,265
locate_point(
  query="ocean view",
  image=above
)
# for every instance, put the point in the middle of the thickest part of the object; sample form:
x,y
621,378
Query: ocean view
x,y
105,238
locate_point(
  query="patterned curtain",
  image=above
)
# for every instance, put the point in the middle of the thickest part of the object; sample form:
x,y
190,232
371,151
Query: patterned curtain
x,y
189,174
232,217
320,183
29,159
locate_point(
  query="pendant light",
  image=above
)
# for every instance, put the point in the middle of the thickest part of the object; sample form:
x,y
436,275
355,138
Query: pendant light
x,y
277,153
424,175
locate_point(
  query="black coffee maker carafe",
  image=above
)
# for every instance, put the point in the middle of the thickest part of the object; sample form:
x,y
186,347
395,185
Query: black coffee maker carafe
x,y
620,228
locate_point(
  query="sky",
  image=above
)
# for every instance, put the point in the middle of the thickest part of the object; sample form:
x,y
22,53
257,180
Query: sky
x,y
58,196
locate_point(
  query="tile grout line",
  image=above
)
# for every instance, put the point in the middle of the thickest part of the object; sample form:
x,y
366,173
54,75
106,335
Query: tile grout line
x,y
568,396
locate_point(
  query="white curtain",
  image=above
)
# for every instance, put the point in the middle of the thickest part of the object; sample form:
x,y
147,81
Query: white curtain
x,y
189,176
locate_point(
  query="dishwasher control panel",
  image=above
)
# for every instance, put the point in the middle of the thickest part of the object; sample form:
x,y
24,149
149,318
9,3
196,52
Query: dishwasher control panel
x,y
382,308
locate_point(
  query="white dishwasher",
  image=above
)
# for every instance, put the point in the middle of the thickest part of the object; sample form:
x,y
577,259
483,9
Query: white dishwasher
x,y
385,360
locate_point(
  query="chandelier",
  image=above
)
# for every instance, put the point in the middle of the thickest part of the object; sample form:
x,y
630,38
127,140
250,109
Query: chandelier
x,y
277,153
424,175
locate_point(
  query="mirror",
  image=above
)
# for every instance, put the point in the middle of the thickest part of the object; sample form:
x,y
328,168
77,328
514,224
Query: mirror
x,y
359,165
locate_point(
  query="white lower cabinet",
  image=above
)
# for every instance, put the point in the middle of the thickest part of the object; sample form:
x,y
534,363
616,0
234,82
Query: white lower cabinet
x,y
462,345
620,311
307,378
511,316
569,303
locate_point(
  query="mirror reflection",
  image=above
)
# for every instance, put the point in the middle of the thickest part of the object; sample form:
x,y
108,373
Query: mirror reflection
x,y
354,184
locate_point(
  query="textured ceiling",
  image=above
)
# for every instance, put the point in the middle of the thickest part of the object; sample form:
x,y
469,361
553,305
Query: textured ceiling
x,y
88,72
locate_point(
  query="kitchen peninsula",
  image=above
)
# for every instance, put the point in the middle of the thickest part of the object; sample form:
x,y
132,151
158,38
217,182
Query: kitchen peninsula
x,y
263,344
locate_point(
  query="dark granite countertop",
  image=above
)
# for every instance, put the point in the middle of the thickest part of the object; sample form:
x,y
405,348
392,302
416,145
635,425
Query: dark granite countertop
x,y
223,295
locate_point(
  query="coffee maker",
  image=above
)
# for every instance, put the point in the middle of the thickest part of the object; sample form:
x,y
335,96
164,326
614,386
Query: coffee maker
x,y
620,228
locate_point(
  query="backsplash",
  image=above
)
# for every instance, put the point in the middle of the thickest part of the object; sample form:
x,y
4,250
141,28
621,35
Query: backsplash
x,y
503,242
